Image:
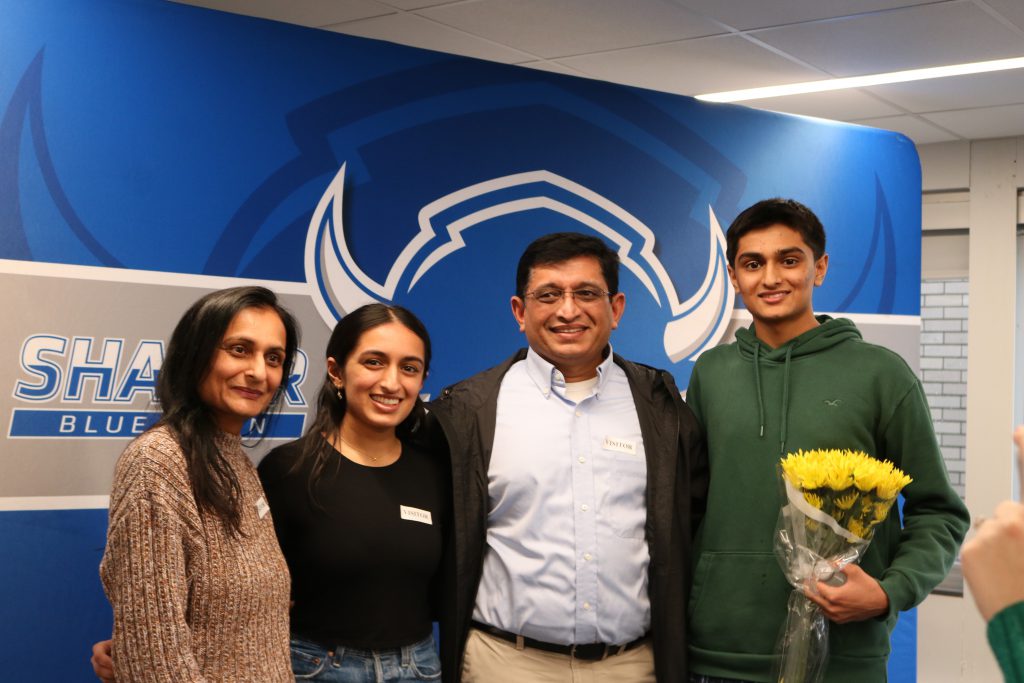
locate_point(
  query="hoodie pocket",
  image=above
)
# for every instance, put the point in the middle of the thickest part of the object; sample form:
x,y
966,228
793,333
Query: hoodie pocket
x,y
738,602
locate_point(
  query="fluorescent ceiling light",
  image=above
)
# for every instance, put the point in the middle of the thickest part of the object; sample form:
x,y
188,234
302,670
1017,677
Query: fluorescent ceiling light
x,y
863,81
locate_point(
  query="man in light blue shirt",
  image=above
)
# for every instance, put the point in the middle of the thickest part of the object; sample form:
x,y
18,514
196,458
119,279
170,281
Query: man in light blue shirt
x,y
578,478
563,526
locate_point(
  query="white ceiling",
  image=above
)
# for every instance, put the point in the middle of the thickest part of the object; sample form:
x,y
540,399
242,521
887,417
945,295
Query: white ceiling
x,y
695,46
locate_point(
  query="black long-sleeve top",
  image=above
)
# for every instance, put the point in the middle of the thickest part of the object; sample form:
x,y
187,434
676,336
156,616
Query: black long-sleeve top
x,y
365,553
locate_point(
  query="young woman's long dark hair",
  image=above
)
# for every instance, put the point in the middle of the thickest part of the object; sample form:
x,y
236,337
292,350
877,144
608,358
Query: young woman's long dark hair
x,y
188,360
330,407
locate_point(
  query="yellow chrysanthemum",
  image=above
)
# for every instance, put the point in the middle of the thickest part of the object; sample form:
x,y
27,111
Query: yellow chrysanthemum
x,y
839,472
814,499
804,471
846,502
881,510
867,474
892,483
857,529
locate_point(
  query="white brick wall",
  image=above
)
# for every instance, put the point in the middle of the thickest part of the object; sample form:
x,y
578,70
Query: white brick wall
x,y
944,368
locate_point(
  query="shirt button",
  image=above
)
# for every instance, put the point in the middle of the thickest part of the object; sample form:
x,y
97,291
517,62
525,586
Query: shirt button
x,y
586,606
582,459
588,557
584,507
579,414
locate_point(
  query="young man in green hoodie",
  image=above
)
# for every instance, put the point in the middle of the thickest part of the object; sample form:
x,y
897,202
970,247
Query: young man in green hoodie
x,y
790,381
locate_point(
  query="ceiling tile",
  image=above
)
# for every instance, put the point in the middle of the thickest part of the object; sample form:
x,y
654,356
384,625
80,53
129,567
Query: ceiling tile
x,y
301,12
416,4
929,35
744,14
556,28
677,46
914,128
409,29
693,67
976,124
838,105
957,92
1011,10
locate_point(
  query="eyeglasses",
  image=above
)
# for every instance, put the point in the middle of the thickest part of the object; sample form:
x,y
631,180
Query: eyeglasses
x,y
547,297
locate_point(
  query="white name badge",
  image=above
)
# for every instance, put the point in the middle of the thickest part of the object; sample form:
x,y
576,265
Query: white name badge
x,y
262,508
612,443
415,514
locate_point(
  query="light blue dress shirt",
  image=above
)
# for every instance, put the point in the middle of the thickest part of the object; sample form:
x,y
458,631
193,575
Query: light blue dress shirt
x,y
566,559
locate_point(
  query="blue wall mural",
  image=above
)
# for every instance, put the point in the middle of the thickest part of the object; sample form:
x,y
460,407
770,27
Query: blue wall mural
x,y
150,150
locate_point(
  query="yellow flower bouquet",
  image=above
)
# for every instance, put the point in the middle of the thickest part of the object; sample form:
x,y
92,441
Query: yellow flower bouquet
x,y
834,501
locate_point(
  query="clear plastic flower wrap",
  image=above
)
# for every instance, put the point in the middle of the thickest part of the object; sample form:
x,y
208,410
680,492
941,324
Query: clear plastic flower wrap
x,y
834,501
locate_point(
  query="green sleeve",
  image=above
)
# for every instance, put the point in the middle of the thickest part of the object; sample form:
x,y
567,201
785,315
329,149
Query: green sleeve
x,y
1006,637
935,519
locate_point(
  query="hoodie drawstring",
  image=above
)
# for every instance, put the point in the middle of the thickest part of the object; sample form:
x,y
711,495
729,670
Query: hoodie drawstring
x,y
757,385
785,394
785,402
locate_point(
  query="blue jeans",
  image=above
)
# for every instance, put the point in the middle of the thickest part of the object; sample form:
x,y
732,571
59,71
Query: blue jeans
x,y
407,664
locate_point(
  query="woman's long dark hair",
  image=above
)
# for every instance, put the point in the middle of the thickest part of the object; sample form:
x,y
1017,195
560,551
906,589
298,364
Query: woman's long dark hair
x,y
330,408
189,357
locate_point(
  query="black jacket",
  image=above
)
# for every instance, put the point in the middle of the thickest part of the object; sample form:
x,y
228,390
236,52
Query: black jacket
x,y
676,487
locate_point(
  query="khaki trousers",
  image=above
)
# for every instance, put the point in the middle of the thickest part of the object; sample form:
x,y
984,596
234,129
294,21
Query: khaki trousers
x,y
489,659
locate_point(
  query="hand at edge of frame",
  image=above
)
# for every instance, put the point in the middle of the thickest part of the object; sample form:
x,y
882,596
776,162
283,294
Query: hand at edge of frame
x,y
993,560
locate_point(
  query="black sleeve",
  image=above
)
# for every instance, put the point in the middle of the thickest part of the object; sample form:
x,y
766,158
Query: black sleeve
x,y
695,457
435,446
443,584
273,471
693,454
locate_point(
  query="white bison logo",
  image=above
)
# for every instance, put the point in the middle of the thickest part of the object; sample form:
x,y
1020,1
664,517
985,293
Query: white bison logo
x,y
340,285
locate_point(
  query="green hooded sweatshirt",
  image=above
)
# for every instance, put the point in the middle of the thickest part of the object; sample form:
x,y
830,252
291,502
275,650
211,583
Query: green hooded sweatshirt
x,y
826,388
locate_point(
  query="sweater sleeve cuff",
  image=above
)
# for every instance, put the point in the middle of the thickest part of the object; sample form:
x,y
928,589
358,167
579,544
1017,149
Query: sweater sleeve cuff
x,y
1006,638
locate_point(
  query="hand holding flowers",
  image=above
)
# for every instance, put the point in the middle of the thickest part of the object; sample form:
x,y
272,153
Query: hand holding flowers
x,y
860,598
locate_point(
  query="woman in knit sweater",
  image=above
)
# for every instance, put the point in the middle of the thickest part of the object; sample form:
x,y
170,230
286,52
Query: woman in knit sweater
x,y
192,567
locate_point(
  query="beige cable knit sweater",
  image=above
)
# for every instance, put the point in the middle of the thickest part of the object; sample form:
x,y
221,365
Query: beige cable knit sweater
x,y
192,601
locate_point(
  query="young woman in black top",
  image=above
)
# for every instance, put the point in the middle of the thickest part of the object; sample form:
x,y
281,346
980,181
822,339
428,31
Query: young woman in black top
x,y
360,508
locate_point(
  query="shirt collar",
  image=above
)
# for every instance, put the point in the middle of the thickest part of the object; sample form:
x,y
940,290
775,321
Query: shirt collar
x,y
546,376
